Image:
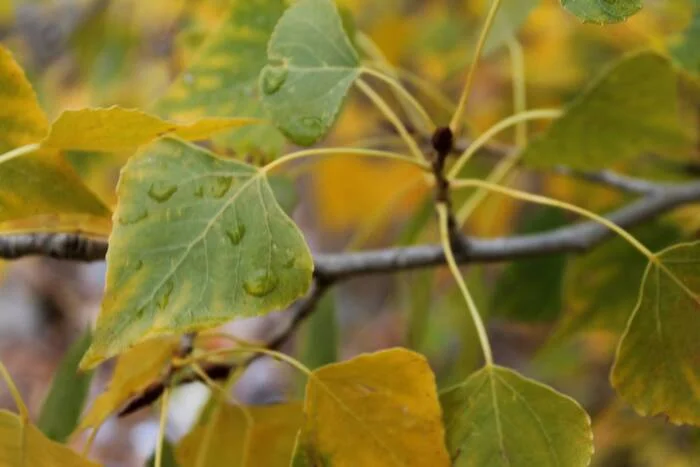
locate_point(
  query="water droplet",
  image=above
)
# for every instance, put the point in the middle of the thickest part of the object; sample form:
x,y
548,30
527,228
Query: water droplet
x,y
260,283
165,295
135,265
312,124
132,215
160,192
218,186
199,191
289,259
273,78
236,235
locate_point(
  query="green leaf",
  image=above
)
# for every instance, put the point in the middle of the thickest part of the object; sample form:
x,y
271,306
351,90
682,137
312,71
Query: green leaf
x,y
497,417
521,295
320,345
656,368
223,80
225,436
601,287
198,241
631,109
22,444
687,51
602,11
64,404
376,409
312,66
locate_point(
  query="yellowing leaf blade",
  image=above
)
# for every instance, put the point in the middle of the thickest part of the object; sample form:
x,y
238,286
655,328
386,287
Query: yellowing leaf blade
x,y
21,119
136,369
116,128
222,80
656,367
374,410
198,241
22,444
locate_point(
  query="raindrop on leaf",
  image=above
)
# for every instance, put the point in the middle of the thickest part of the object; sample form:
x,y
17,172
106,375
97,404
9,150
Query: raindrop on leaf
x,y
160,192
273,77
236,234
129,216
260,283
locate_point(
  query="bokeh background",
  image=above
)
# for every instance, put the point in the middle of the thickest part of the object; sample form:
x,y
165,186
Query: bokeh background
x,y
556,319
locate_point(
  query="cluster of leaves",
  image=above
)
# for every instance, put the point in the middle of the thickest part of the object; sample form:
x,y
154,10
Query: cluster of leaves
x,y
197,239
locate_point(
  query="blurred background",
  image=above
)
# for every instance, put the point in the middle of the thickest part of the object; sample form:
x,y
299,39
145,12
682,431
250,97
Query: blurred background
x,y
556,319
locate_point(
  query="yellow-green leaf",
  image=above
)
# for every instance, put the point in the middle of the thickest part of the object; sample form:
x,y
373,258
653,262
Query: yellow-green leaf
x,y
630,110
136,369
40,191
22,444
374,410
21,119
657,369
497,417
116,128
198,240
312,66
222,81
224,436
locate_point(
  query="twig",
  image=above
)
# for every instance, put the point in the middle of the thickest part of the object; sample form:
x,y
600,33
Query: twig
x,y
613,180
298,312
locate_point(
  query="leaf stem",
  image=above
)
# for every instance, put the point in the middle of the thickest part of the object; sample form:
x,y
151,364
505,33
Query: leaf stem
x,y
497,128
334,151
20,151
429,124
546,201
158,462
392,117
458,116
517,66
443,216
16,396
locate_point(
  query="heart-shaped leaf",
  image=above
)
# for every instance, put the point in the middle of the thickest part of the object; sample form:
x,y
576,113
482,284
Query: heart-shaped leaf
x,y
657,368
197,241
376,409
630,110
602,11
496,417
223,79
312,66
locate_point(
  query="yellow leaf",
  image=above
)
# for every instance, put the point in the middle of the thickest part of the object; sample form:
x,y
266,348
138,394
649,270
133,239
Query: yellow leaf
x,y
224,437
21,119
22,444
136,369
115,128
377,409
